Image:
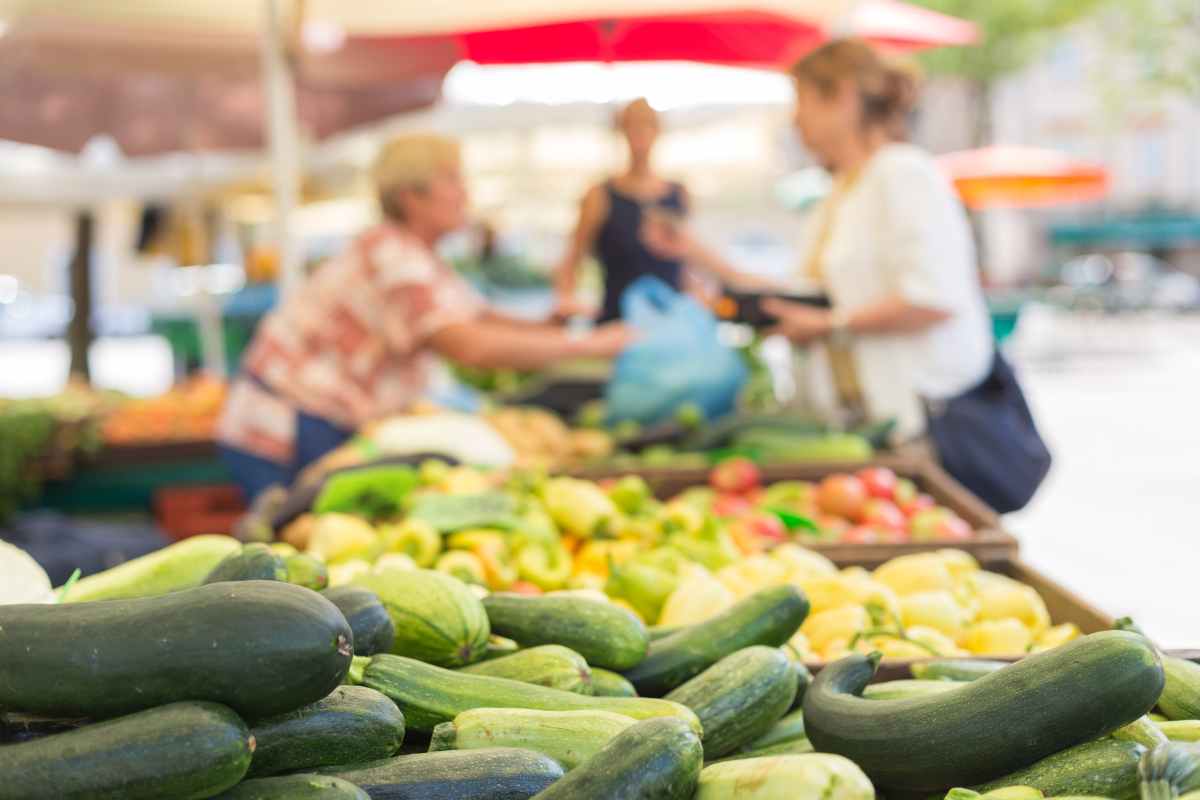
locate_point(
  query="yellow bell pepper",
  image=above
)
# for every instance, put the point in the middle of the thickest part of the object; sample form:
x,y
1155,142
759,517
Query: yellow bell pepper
x,y
895,647
414,537
645,530
1059,634
825,627
461,564
681,517
938,610
339,537
595,555
697,598
880,601
919,572
547,566
941,644
464,480
491,548
1001,597
998,637
960,563
751,574
711,546
801,563
578,507
478,539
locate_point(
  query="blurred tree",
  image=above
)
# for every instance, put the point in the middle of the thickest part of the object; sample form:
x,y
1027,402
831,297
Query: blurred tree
x,y
1014,33
1163,38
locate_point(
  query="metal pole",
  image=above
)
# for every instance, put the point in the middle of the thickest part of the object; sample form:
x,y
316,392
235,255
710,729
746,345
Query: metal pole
x,y
79,329
283,132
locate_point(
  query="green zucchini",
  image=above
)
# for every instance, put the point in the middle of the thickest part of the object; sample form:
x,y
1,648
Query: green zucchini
x,y
1181,695
548,665
1180,730
787,729
431,695
656,632
611,684
739,698
606,635
980,730
899,690
498,646
182,565
295,787
656,759
1142,731
307,571
370,621
1170,770
807,776
1105,767
955,669
804,679
353,723
254,562
179,750
498,773
792,747
260,647
569,737
18,727
768,617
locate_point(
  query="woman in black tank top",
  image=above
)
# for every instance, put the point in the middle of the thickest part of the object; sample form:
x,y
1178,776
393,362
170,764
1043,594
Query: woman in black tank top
x,y
629,224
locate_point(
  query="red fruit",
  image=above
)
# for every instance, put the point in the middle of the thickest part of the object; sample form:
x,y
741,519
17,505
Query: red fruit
x,y
524,587
735,475
880,482
731,505
905,492
883,514
921,502
832,526
754,496
862,534
768,528
842,495
953,529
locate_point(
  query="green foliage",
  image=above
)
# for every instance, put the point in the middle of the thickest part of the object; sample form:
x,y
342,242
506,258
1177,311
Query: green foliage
x,y
1162,37
1014,33
26,432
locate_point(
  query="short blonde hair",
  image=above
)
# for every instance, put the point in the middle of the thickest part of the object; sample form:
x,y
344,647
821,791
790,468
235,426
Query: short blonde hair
x,y
409,162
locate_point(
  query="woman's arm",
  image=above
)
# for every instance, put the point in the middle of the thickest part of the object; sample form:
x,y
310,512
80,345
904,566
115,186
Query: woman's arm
x,y
592,212
491,345
891,315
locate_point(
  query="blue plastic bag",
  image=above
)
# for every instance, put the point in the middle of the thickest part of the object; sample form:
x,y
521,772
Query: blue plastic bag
x,y
677,360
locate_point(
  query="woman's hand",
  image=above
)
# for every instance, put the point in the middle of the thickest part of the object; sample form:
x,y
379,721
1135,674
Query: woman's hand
x,y
607,341
566,307
798,322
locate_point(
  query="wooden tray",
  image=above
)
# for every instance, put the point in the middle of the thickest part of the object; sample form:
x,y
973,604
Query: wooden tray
x,y
991,542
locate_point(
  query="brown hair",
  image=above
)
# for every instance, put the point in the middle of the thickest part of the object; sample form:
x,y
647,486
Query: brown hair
x,y
888,89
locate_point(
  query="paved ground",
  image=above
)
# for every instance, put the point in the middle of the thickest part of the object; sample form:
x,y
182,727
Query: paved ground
x,y
1119,518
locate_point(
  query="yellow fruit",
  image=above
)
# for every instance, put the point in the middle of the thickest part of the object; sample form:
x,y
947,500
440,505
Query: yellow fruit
x,y
802,564
679,516
697,598
751,574
339,537
940,643
879,599
896,648
937,610
1059,634
959,562
919,572
415,538
1001,597
825,627
828,592
464,480
998,637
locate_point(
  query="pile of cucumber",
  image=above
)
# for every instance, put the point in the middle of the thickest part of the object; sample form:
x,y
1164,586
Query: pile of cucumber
x,y
257,685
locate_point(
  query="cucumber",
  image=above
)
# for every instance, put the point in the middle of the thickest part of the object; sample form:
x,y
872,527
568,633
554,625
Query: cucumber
x,y
353,723
987,728
178,566
498,773
550,665
657,632
1183,730
431,695
307,571
498,646
1169,771
767,617
254,562
955,669
604,634
656,759
1181,696
569,737
901,689
18,727
295,787
792,747
787,729
739,698
368,618
1142,731
802,777
1105,767
804,679
179,750
611,684
260,647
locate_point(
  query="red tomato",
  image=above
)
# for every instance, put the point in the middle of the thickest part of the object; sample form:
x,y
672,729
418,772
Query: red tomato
x,y
883,514
842,495
921,502
953,529
731,505
880,482
862,534
735,475
768,527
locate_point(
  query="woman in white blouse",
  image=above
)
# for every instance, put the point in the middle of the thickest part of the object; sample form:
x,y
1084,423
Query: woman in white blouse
x,y
891,246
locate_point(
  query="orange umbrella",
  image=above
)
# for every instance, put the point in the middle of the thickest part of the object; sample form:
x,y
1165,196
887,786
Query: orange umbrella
x,y
1023,177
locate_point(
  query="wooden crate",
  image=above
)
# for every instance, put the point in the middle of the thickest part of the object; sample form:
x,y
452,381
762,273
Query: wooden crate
x,y
991,542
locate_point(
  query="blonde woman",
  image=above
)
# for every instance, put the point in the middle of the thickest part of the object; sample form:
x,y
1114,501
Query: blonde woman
x,y
359,340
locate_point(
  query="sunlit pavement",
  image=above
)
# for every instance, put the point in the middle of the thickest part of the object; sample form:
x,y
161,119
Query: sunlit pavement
x,y
1118,520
